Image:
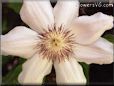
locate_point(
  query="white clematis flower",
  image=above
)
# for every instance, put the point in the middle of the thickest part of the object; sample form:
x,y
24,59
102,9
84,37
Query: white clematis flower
x,y
58,37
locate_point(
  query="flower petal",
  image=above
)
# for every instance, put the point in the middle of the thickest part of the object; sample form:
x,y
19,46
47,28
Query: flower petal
x,y
89,28
34,70
65,12
69,72
37,14
20,41
101,52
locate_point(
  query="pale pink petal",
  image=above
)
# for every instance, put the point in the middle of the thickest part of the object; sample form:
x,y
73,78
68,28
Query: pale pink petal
x,y
20,41
101,52
65,11
70,72
37,14
89,28
34,70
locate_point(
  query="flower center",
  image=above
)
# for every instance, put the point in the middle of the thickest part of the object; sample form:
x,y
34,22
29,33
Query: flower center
x,y
56,43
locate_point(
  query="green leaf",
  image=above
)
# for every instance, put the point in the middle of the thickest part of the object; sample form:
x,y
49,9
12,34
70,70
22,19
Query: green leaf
x,y
109,37
6,59
11,77
86,70
4,26
15,6
22,60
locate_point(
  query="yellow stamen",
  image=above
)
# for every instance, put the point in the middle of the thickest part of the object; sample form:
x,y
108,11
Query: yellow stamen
x,y
56,43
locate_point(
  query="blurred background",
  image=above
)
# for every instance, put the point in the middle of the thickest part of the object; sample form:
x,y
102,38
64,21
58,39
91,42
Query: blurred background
x,y
12,65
